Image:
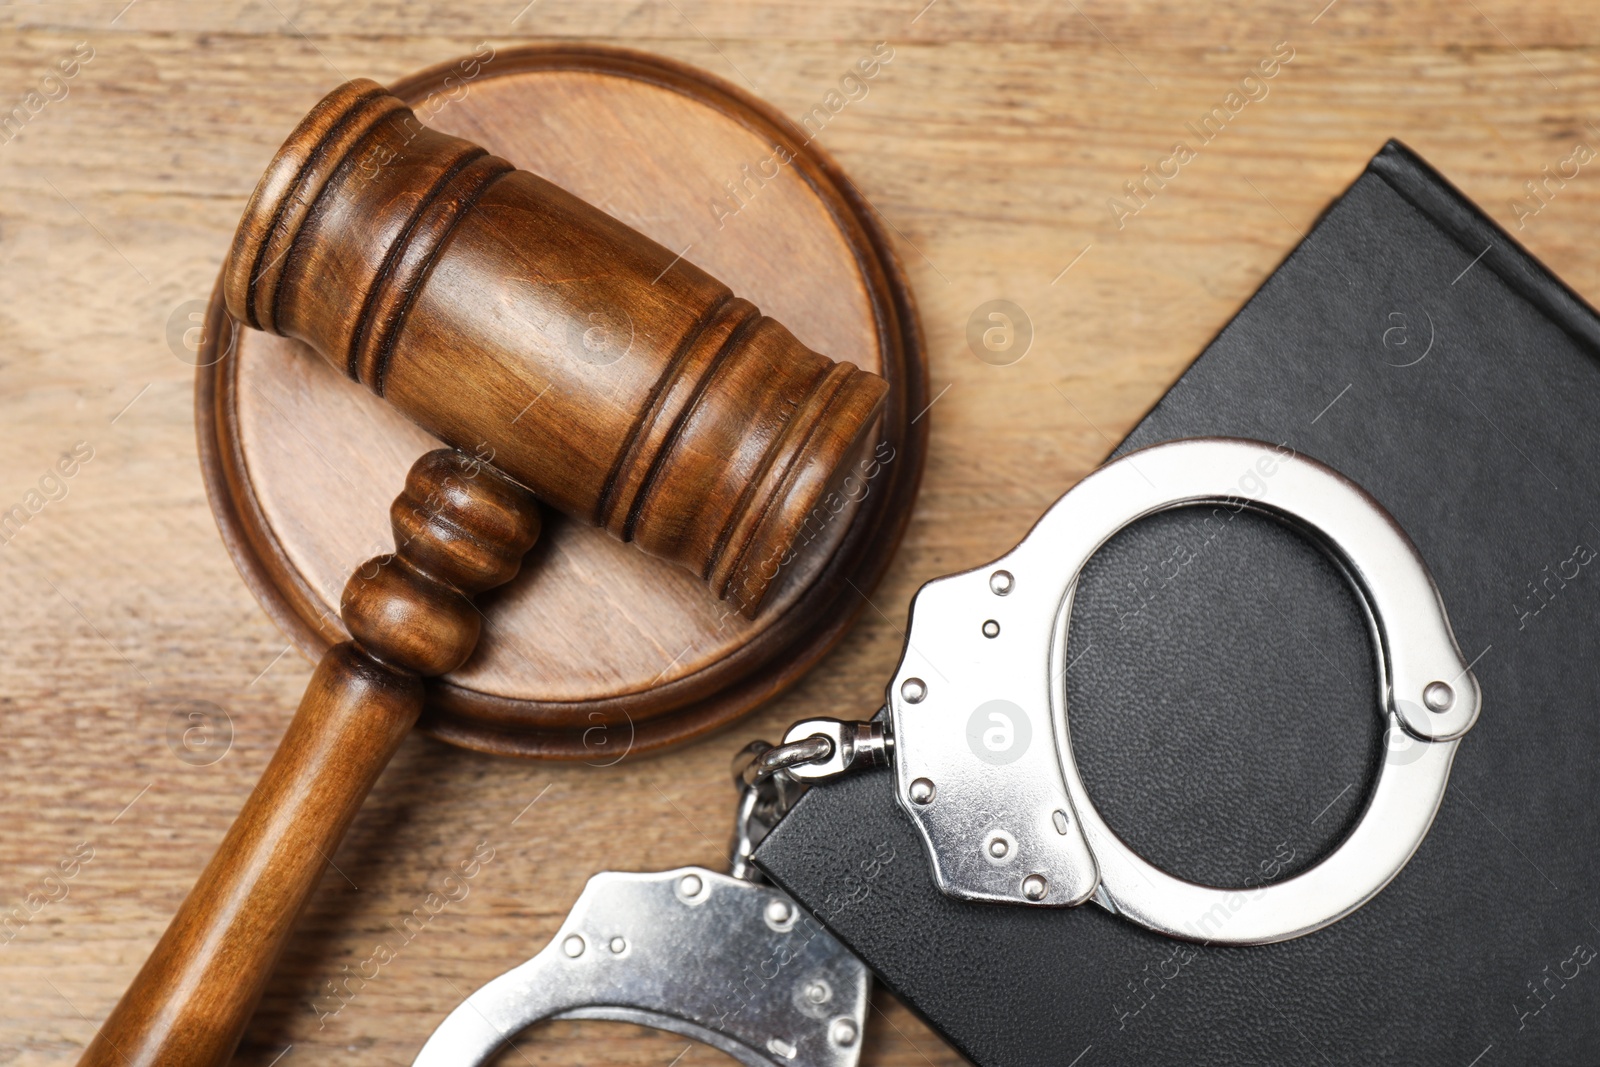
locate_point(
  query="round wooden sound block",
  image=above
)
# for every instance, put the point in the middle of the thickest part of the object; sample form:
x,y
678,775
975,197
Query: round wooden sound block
x,y
595,649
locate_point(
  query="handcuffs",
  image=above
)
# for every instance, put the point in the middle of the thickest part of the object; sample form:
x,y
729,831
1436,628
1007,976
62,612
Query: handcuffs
x,y
977,734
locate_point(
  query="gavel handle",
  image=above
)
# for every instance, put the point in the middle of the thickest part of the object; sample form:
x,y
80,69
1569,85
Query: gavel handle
x,y
196,992
460,527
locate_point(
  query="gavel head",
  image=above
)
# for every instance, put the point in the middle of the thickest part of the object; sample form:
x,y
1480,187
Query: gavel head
x,y
620,383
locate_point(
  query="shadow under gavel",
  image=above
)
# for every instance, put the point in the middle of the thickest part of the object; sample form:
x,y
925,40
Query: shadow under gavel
x,y
568,360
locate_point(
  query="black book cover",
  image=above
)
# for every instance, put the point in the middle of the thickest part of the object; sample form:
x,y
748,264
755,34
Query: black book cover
x,y
1224,695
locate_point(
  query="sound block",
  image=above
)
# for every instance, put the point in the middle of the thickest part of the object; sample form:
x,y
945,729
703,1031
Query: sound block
x,y
595,649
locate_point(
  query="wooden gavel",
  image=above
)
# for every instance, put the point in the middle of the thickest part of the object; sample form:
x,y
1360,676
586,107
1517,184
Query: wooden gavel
x,y
567,359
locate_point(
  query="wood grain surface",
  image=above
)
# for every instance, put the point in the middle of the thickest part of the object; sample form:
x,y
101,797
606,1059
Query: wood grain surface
x,y
991,144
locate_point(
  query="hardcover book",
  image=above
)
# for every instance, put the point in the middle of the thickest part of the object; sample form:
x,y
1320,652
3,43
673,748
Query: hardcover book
x,y
1224,695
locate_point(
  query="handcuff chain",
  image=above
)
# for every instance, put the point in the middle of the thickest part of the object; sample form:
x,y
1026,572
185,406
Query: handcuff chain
x,y
777,759
772,777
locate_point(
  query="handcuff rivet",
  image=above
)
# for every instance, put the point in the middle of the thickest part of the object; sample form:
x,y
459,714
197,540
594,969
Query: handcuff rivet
x,y
998,848
618,944
1438,696
844,1032
922,791
1000,583
991,629
1034,887
778,912
914,690
573,946
691,885
818,992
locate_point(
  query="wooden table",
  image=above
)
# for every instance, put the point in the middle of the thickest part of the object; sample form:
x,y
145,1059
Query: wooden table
x,y
992,145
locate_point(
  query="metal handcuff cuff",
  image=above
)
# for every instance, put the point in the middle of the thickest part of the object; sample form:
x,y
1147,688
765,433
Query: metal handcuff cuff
x,y
977,733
